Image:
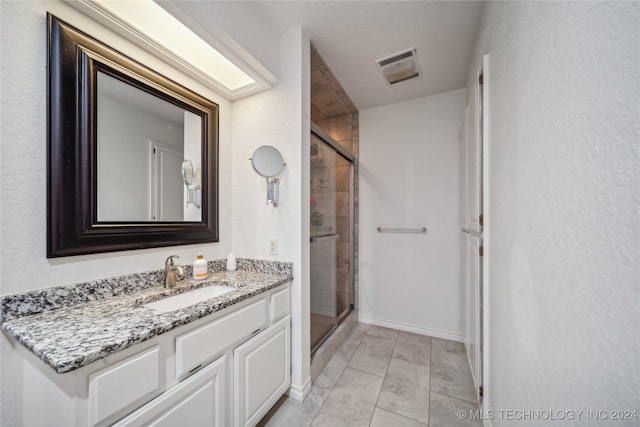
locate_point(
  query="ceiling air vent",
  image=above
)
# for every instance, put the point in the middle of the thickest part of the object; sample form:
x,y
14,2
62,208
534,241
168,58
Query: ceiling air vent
x,y
400,66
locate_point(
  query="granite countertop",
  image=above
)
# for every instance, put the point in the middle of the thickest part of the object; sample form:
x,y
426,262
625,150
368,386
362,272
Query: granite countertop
x,y
72,326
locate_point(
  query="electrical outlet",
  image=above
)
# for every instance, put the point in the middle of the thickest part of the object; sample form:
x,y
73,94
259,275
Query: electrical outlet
x,y
273,246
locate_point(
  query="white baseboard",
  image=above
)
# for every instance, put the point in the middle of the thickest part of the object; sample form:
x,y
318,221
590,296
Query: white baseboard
x,y
411,328
299,393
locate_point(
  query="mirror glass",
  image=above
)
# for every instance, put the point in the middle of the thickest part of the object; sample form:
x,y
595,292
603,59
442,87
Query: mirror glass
x,y
267,161
142,143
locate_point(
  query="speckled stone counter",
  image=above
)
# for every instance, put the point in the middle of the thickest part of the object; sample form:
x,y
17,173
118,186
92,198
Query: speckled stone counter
x,y
71,326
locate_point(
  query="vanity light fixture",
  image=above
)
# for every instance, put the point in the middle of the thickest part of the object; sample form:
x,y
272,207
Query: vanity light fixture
x,y
400,66
148,23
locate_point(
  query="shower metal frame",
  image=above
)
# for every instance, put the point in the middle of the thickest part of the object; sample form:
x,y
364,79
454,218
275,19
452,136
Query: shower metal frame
x,y
343,152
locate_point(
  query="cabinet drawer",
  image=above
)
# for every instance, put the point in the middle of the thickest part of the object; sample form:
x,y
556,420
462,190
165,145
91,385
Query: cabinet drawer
x,y
197,401
280,304
128,383
196,347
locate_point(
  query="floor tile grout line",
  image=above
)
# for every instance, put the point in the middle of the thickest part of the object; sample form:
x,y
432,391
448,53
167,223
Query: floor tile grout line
x,y
320,408
358,344
454,397
400,415
383,380
429,395
339,376
348,360
364,372
415,363
319,386
463,353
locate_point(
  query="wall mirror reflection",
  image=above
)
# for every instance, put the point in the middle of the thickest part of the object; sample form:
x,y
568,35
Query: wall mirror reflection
x,y
118,136
142,143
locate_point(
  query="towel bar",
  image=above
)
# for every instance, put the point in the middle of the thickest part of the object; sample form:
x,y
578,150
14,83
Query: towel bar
x,y
402,230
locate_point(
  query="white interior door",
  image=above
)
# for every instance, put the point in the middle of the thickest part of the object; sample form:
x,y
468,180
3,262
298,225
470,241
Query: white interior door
x,y
474,163
464,171
465,291
474,271
167,186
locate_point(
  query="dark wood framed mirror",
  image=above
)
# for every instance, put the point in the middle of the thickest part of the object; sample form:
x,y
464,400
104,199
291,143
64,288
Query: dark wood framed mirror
x,y
118,134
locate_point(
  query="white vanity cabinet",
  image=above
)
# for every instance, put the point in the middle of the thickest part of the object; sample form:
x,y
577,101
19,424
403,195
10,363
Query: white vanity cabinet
x,y
225,369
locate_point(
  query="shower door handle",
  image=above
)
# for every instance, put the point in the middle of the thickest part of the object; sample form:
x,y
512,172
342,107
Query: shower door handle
x,y
314,239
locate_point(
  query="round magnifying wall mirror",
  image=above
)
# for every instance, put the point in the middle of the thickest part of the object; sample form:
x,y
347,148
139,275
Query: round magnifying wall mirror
x,y
187,172
267,161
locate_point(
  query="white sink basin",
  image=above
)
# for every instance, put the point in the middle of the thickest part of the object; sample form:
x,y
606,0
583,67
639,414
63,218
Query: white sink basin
x,y
188,298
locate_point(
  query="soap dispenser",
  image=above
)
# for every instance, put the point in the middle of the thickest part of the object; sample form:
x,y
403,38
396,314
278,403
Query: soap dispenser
x,y
200,268
231,262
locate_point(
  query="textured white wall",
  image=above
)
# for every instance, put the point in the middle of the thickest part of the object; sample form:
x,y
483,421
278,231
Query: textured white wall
x,y
23,262
409,178
278,117
565,205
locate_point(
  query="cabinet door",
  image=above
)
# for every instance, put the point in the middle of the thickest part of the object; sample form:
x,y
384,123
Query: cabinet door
x,y
197,401
261,372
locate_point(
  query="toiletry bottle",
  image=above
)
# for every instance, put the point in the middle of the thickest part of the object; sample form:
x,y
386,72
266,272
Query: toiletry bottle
x,y
200,268
231,262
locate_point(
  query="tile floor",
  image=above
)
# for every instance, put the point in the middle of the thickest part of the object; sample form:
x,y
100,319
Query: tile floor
x,y
381,377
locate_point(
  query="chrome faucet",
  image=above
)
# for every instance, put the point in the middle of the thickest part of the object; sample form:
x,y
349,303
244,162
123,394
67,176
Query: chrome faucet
x,y
172,272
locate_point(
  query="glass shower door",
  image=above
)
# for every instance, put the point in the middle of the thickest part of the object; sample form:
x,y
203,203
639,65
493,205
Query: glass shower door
x,y
330,239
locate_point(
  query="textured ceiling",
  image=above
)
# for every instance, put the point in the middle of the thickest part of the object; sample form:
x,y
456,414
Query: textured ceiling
x,y
351,35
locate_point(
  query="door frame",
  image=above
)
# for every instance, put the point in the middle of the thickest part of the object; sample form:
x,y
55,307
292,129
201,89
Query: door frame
x,y
486,232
